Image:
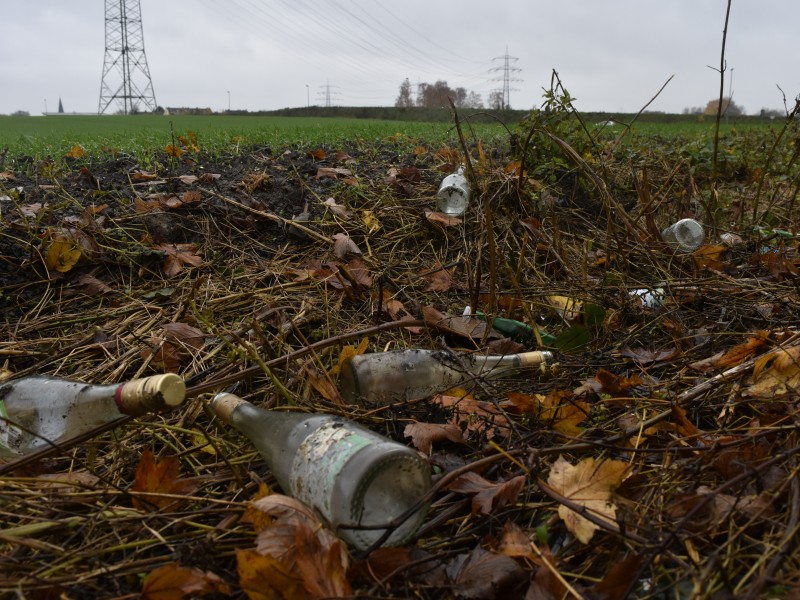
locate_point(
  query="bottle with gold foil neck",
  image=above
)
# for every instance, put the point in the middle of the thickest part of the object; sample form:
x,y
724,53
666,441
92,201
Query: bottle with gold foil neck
x,y
360,482
39,411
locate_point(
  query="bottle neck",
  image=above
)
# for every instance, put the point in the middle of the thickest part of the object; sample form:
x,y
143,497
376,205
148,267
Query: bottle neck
x,y
510,361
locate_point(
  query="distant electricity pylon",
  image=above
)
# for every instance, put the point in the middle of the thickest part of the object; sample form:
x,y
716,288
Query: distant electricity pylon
x,y
327,93
126,78
507,70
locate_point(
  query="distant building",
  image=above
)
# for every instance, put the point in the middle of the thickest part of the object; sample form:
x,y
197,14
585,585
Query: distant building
x,y
184,110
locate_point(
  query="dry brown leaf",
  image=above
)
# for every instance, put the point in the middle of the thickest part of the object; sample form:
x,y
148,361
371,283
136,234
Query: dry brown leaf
x,y
487,496
174,582
62,254
333,172
139,175
257,518
156,480
484,575
442,219
33,209
342,244
7,175
473,415
736,355
179,255
439,280
776,373
93,286
515,542
589,484
616,585
322,566
266,578
423,435
338,209
563,412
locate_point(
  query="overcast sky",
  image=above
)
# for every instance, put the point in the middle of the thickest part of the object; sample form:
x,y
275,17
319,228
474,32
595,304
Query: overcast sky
x,y
612,55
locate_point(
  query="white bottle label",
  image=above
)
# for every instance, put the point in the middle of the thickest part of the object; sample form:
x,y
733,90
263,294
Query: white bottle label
x,y
6,431
319,460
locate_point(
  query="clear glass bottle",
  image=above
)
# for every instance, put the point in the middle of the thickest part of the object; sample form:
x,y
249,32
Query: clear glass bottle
x,y
686,235
453,195
37,410
352,476
402,375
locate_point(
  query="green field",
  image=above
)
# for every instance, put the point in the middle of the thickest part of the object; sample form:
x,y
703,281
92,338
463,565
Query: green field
x,y
55,135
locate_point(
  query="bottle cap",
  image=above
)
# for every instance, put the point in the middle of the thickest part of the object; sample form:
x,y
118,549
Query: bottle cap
x,y
224,404
150,394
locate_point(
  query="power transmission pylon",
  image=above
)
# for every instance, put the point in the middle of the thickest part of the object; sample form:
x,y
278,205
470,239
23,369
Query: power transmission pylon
x,y
126,78
507,69
327,93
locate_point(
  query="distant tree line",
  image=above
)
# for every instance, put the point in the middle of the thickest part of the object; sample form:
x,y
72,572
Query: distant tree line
x,y
729,108
436,95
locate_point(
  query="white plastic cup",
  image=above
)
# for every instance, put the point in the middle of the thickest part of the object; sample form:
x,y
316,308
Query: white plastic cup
x,y
686,235
453,195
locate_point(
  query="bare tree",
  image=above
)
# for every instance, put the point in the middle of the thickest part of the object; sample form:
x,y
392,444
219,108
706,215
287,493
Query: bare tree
x,y
404,98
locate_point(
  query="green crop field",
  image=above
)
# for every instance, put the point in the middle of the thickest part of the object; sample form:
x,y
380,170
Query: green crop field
x,y
54,136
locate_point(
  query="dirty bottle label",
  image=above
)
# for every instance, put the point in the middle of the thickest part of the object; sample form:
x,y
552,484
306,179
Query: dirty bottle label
x,y
318,462
7,430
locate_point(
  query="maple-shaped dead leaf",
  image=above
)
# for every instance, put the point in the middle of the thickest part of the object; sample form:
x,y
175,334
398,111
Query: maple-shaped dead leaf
x,y
442,219
157,482
563,412
264,577
342,244
487,496
338,209
347,353
174,582
589,484
318,154
173,150
776,373
423,435
179,255
734,356
473,415
322,567
301,549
